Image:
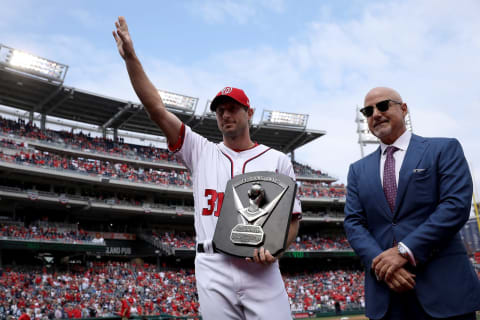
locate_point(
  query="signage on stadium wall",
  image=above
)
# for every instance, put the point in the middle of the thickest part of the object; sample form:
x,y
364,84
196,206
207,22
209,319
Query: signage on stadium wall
x,y
296,254
301,315
128,248
119,251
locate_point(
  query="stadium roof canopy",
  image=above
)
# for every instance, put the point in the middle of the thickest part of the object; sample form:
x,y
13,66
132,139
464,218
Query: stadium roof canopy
x,y
35,94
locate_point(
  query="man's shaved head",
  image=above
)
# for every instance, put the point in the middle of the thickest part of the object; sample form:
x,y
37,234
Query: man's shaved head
x,y
382,93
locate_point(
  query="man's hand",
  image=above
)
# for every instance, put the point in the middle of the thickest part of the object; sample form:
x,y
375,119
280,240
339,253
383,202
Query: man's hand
x,y
401,280
386,263
123,39
262,256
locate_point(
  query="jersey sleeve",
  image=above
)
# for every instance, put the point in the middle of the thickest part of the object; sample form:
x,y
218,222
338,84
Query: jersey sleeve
x,y
286,168
189,146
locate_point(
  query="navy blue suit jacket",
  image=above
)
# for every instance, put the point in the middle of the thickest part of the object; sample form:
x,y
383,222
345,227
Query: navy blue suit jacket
x,y
433,203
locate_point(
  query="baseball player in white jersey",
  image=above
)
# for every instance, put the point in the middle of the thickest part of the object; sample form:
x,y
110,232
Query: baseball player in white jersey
x,y
228,287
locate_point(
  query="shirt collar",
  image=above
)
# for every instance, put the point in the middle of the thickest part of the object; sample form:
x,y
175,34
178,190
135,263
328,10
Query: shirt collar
x,y
401,143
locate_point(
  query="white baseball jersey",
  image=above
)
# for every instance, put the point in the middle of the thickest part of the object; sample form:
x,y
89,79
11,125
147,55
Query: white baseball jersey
x,y
213,165
228,286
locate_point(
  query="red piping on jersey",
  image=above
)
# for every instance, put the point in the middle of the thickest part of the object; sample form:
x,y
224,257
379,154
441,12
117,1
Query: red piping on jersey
x,y
258,155
231,162
240,150
181,139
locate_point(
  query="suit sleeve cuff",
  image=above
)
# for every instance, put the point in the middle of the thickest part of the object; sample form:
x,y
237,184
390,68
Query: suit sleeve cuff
x,y
411,257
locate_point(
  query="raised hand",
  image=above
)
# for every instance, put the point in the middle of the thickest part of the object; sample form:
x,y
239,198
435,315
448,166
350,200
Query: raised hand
x,y
123,39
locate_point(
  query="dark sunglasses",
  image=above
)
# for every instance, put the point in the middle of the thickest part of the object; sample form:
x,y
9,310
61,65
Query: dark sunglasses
x,y
382,106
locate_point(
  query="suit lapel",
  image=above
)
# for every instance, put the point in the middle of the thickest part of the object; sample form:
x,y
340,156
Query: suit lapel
x,y
373,176
414,154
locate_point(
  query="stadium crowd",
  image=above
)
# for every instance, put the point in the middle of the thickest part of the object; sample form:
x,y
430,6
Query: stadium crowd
x,y
177,240
99,168
105,146
124,171
320,290
37,233
174,240
85,142
308,242
304,242
103,289
320,190
307,171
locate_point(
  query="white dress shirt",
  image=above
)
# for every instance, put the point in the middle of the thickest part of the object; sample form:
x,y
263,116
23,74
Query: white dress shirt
x,y
402,144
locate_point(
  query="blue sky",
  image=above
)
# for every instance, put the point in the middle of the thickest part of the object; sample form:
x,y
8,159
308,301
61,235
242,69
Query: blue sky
x,y
313,57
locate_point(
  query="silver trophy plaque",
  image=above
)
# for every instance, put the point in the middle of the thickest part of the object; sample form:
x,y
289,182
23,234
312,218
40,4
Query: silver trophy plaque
x,y
256,212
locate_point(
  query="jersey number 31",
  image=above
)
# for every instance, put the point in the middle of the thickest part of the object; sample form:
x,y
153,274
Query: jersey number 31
x,y
213,197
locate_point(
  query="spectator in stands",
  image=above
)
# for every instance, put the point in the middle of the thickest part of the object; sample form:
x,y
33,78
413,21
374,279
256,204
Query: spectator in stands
x,y
25,315
124,309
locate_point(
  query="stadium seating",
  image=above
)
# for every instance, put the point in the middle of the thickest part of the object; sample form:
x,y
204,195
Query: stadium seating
x,y
319,190
98,289
304,242
44,233
85,142
124,171
318,291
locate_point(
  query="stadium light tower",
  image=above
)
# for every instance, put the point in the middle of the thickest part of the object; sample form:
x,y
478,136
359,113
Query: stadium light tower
x,y
179,102
23,62
284,118
365,136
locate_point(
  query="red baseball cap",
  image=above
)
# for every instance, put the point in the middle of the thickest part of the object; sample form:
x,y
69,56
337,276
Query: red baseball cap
x,y
230,93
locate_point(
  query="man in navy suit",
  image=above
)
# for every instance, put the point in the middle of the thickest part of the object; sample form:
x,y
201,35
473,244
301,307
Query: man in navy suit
x,y
405,204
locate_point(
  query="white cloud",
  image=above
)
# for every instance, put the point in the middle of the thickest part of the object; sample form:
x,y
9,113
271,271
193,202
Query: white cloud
x,y
84,17
221,11
214,11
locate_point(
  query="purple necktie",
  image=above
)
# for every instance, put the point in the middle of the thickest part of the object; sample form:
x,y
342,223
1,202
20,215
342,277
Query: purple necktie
x,y
389,180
